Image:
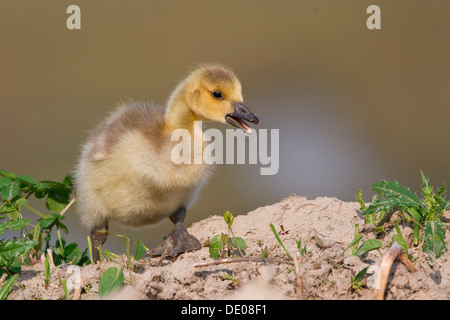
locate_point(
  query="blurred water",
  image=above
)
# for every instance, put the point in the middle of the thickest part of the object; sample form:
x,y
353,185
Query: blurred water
x,y
353,106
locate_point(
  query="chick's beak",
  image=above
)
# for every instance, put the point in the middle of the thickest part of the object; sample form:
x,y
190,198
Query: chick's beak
x,y
239,117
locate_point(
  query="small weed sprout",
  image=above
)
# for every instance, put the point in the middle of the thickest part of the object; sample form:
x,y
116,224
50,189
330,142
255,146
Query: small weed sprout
x,y
229,277
47,271
424,213
275,233
357,280
221,245
365,247
301,250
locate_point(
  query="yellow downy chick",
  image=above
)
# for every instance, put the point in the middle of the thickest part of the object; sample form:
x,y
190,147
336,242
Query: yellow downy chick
x,y
125,172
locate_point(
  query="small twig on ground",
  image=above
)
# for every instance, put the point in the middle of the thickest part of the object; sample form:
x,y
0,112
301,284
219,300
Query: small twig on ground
x,y
249,259
334,278
77,291
404,259
2,279
298,286
385,267
67,207
50,257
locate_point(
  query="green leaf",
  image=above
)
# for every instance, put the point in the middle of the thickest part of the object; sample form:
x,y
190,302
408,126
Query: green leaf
x,y
264,252
238,242
36,235
426,188
399,238
11,190
413,212
229,277
434,238
229,218
7,286
14,265
13,215
7,207
110,255
52,220
18,224
401,241
13,249
41,191
224,238
69,180
275,233
64,285
394,189
72,253
59,194
47,270
4,181
380,205
21,201
215,246
391,194
140,248
369,245
359,198
14,224
28,182
56,202
360,275
110,281
8,174
446,205
355,240
3,226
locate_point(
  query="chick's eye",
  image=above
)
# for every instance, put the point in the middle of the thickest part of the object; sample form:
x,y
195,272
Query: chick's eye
x,y
217,94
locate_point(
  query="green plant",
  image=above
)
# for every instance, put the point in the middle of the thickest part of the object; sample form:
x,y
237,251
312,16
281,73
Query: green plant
x,y
124,263
399,238
221,245
301,250
34,237
275,233
425,213
64,286
7,286
110,281
229,277
357,280
47,271
366,246
264,252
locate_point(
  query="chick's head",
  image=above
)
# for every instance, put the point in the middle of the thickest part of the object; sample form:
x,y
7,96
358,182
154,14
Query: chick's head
x,y
215,94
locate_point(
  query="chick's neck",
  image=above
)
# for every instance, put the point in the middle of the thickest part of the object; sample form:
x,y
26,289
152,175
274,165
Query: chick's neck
x,y
178,113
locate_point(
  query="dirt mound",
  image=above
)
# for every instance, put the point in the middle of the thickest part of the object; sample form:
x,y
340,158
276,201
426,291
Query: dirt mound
x,y
325,225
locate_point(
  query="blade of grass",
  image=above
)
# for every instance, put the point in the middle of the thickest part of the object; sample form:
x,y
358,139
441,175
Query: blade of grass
x,y
355,240
64,285
279,241
7,286
90,247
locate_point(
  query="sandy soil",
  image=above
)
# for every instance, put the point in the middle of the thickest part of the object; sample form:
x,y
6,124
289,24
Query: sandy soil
x,y
323,273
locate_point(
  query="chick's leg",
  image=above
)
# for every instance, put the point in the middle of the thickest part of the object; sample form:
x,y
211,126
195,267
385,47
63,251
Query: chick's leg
x,y
99,234
179,240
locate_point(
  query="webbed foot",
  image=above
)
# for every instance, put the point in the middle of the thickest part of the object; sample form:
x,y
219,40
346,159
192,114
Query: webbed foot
x,y
178,241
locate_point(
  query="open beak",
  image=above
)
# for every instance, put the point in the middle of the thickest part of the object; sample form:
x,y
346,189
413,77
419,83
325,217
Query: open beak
x,y
239,117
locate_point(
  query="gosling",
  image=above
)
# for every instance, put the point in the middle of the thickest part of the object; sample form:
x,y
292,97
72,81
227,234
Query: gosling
x,y
126,174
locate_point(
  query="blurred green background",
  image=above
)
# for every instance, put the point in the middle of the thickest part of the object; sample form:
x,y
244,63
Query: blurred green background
x,y
353,105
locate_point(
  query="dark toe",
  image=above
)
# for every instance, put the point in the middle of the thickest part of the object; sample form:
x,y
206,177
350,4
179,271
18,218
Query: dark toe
x,y
178,241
